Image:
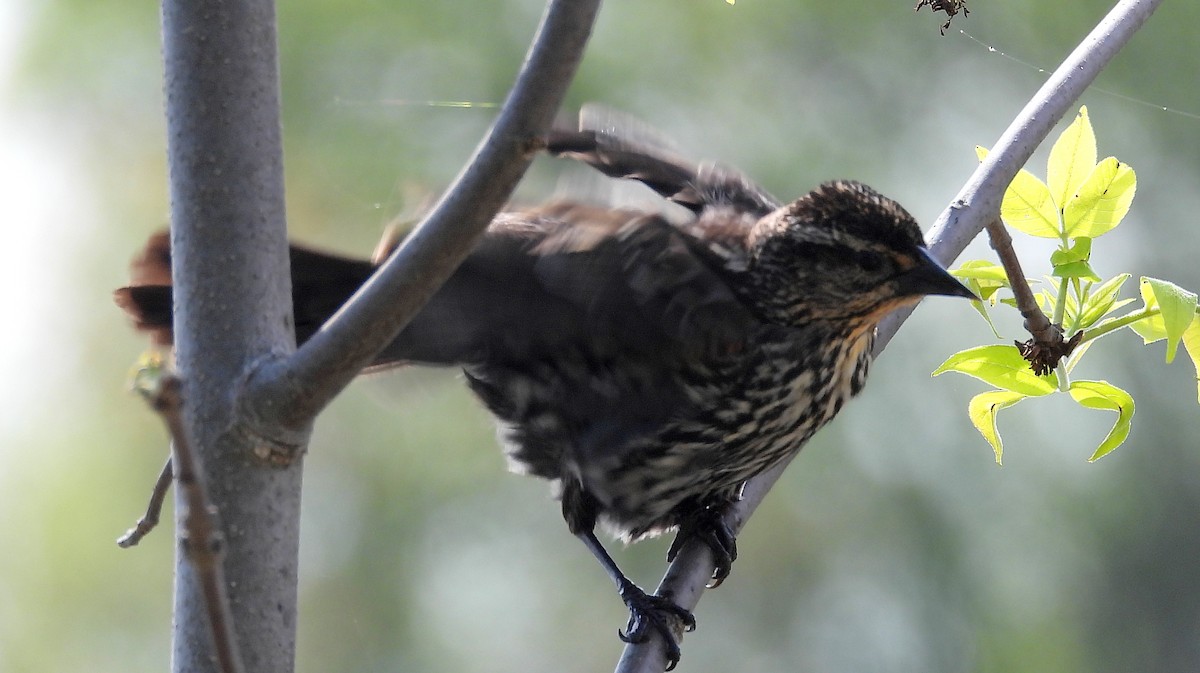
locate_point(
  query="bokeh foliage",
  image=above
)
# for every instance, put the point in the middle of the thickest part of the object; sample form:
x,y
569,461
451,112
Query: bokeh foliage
x,y
893,543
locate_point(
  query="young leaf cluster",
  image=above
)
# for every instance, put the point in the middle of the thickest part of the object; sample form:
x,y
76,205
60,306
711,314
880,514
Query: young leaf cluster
x,y
1081,199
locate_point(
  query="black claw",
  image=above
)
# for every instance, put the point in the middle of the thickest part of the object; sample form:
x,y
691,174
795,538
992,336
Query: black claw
x,y
647,611
708,525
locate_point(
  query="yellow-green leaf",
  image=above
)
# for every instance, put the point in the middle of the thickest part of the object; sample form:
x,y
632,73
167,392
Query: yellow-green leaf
x,y
1191,344
1027,204
1102,300
1080,251
983,410
1150,329
984,279
1106,396
981,269
1075,270
1101,201
981,308
1072,158
1028,207
1001,366
1178,308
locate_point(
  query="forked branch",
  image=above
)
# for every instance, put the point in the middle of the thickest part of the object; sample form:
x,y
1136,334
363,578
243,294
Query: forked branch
x,y
293,391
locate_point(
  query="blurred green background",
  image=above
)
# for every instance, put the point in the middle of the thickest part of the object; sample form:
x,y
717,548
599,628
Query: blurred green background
x,y
894,543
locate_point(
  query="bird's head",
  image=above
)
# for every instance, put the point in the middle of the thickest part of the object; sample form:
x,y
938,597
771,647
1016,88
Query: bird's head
x,y
842,252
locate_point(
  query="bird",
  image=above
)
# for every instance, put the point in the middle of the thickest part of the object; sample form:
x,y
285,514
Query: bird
x,y
646,365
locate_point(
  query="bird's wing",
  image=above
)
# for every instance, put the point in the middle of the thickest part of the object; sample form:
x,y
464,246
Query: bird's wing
x,y
622,147
565,275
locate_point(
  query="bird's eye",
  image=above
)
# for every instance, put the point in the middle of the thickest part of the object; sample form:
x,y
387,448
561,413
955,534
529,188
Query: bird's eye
x,y
870,262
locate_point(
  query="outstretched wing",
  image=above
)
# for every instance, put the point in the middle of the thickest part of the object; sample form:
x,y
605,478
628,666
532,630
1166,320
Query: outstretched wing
x,y
622,147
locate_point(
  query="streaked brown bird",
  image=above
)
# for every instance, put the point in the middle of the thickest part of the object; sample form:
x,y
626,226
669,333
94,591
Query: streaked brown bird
x,y
647,368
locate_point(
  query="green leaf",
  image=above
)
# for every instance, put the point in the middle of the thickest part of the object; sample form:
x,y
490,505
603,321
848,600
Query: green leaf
x,y
1102,301
1080,251
1088,324
984,292
983,410
1153,328
1076,270
1191,344
1178,308
1045,300
984,279
981,269
1104,395
1101,201
1001,366
1071,310
982,309
1072,158
1027,205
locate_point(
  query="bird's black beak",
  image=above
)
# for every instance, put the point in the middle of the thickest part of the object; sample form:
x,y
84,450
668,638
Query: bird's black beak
x,y
928,277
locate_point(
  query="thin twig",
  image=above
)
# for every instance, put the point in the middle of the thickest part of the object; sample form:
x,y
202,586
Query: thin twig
x,y
1047,347
201,538
977,204
292,392
1036,322
150,519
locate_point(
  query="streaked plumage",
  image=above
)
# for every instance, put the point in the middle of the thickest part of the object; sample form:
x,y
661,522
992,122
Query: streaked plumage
x,y
647,368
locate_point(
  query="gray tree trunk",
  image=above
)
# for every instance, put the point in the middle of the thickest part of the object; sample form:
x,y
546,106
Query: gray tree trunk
x,y
233,293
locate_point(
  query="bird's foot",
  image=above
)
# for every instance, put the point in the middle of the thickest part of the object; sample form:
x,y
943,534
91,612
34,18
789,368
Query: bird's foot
x,y
648,611
707,524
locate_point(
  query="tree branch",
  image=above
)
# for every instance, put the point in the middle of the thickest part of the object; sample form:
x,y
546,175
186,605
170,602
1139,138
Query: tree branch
x,y
153,509
202,541
1036,322
976,205
293,391
1047,347
233,307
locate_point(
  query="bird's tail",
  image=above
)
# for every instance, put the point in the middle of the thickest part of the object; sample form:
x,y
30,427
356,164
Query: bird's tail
x,y
321,283
493,301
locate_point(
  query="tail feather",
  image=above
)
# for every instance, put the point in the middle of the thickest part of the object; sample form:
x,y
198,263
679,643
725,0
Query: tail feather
x,y
493,302
150,308
321,283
